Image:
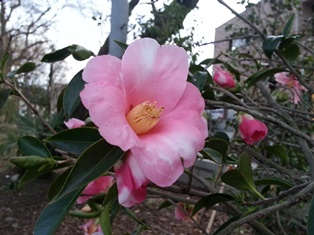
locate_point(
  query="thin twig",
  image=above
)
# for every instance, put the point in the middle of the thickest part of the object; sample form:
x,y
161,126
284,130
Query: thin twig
x,y
264,212
29,104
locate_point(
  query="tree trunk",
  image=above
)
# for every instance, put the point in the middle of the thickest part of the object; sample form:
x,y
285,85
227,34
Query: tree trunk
x,y
119,26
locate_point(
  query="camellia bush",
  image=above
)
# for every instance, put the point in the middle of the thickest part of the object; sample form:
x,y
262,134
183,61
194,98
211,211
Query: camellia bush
x,y
131,127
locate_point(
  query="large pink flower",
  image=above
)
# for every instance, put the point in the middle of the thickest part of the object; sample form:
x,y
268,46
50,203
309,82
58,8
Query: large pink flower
x,y
291,82
99,185
144,105
223,78
251,130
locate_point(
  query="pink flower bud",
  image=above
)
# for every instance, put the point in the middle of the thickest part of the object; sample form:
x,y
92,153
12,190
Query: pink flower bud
x,y
92,227
223,78
251,130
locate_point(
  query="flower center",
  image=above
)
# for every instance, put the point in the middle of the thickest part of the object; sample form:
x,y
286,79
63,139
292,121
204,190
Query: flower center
x,y
143,117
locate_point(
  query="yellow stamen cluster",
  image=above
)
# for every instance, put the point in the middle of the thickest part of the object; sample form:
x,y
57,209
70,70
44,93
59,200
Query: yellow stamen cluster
x,y
143,117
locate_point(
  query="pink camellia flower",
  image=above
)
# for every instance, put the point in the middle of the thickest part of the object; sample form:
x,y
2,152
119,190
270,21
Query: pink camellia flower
x,y
144,105
92,228
291,82
99,185
251,130
180,214
223,78
74,123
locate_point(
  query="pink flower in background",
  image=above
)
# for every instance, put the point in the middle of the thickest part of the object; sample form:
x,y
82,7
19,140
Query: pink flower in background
x,y
74,123
92,228
223,78
180,214
144,105
251,130
99,185
291,82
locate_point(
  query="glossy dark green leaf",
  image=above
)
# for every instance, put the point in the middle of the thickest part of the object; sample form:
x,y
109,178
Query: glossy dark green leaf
x,y
27,162
287,28
57,55
270,44
242,177
57,184
210,61
94,161
222,136
212,155
199,79
292,52
53,214
274,181
75,140
71,97
29,145
111,194
80,53
262,75
224,225
27,67
4,95
310,219
34,173
121,44
164,204
210,200
4,60
218,145
105,220
279,151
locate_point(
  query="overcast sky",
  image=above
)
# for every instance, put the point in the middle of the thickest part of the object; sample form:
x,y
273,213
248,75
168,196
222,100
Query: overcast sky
x,y
73,28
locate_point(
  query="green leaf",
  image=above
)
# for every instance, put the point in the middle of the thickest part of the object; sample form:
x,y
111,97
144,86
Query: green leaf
x,y
287,28
212,155
57,55
29,145
310,219
4,95
199,79
210,200
292,52
222,136
279,151
80,53
57,184
218,145
27,67
164,204
75,140
229,221
105,220
71,97
261,75
4,60
241,178
111,194
27,162
270,44
94,161
274,181
121,44
53,214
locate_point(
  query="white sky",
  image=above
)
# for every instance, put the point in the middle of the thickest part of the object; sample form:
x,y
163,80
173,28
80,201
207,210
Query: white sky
x,y
73,28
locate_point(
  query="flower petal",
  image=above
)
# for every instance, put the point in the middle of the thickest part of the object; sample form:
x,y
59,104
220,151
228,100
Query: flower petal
x,y
154,73
173,143
131,182
107,108
103,69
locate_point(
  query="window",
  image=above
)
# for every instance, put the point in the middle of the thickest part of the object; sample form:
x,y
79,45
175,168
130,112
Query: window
x,y
239,42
